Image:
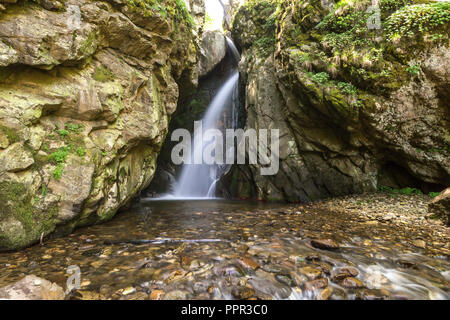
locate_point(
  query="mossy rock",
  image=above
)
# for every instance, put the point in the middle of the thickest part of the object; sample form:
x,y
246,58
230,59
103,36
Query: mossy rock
x,y
21,222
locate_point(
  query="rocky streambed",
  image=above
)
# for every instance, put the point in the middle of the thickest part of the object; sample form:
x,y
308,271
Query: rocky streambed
x,y
374,246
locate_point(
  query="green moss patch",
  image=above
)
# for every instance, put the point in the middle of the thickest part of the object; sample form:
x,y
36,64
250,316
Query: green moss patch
x,y
103,74
17,206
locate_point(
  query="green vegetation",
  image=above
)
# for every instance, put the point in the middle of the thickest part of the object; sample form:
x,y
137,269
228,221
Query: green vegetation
x,y
17,203
44,190
60,155
74,144
350,50
208,21
57,172
11,134
413,19
147,7
263,14
175,9
80,151
76,128
413,69
62,132
265,45
347,88
433,194
321,77
182,13
406,190
102,74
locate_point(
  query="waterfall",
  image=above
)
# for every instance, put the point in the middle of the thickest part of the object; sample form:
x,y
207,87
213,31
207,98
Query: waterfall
x,y
199,180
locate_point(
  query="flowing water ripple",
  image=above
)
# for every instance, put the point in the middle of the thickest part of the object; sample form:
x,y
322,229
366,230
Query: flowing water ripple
x,y
239,250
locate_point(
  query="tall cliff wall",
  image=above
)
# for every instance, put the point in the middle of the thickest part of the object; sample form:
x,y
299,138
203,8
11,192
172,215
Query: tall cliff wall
x,y
87,89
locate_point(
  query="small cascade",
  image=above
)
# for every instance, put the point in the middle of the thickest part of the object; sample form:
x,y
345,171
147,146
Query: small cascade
x,y
199,180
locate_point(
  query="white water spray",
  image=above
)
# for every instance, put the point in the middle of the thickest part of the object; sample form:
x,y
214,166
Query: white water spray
x,y
199,180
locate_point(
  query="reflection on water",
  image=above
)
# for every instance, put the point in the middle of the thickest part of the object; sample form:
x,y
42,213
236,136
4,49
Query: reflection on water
x,y
224,250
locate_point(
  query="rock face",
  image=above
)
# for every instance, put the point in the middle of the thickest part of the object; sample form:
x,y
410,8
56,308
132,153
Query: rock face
x,y
87,89
32,288
440,206
213,49
357,108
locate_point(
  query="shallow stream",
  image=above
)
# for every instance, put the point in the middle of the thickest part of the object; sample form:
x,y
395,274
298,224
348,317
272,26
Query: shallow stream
x,y
237,249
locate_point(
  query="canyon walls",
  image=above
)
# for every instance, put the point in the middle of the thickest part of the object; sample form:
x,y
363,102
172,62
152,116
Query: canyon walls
x,y
357,108
87,89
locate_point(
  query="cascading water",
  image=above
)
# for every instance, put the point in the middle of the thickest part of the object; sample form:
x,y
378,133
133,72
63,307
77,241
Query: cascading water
x,y
199,180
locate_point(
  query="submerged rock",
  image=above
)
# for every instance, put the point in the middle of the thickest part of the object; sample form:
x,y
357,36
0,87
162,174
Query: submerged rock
x,y
242,292
311,272
324,294
351,282
342,273
325,244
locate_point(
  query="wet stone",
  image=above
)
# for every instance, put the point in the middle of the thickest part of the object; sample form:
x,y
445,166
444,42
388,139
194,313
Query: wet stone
x,y
325,267
250,263
342,273
352,283
242,293
419,244
272,268
271,288
285,279
311,272
407,264
156,294
325,244
176,295
316,284
324,294
313,257
372,294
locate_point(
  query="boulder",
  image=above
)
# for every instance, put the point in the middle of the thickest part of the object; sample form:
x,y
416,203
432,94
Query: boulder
x,y
440,206
32,288
213,50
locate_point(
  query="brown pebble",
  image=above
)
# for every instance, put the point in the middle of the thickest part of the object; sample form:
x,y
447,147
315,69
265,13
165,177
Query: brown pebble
x,y
156,294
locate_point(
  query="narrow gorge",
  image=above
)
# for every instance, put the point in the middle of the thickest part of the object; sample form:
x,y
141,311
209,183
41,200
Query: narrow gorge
x,y
98,100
